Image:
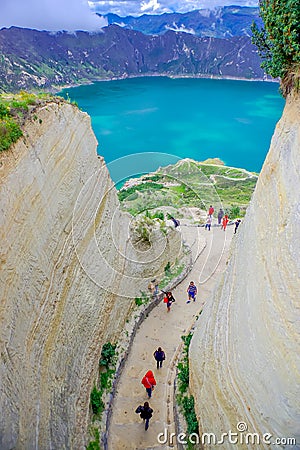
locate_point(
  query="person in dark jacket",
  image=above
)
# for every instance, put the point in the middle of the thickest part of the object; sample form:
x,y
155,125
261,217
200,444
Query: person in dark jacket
x,y
175,221
159,356
148,381
169,299
145,413
237,223
220,216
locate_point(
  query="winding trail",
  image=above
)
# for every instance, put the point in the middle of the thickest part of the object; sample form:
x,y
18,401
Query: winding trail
x,y
210,251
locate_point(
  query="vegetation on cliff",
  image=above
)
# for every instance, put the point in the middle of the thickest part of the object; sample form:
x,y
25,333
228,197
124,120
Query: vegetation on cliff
x,y
16,108
186,401
278,41
189,184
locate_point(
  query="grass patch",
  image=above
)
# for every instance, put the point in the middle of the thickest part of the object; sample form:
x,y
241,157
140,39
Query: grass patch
x,y
124,193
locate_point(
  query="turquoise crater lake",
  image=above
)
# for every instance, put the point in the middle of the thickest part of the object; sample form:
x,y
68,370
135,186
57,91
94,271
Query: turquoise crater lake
x,y
185,117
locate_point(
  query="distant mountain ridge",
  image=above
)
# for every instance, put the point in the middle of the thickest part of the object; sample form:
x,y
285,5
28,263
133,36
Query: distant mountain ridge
x,y
221,22
32,59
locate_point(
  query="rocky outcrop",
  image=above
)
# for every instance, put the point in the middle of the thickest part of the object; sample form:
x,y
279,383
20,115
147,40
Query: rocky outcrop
x,y
69,271
244,355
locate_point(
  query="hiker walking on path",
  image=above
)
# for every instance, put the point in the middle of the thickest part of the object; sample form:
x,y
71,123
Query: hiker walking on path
x,y
224,222
192,292
148,381
237,223
151,287
169,299
127,431
211,210
208,223
220,216
159,356
145,413
175,221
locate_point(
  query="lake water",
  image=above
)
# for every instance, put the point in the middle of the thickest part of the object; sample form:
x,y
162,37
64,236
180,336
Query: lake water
x,y
179,118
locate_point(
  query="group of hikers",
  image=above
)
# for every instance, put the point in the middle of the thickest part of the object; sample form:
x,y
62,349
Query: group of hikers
x,y
222,219
148,381
191,291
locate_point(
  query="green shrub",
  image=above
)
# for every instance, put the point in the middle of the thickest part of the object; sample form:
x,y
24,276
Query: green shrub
x,y
96,401
187,340
10,132
95,444
19,105
183,376
108,358
278,42
106,379
4,110
158,215
185,401
188,406
108,354
167,268
235,211
142,228
138,301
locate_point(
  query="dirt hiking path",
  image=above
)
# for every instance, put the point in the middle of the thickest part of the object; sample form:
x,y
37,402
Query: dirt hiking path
x,y
210,251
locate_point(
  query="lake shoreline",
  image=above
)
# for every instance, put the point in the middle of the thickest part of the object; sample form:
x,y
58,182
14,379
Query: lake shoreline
x,y
57,89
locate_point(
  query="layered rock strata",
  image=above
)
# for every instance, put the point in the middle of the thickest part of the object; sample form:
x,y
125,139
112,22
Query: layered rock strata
x,y
69,271
244,355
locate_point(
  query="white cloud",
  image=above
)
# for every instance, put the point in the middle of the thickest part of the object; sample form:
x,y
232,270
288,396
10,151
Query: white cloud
x,y
138,7
52,15
181,29
151,6
72,15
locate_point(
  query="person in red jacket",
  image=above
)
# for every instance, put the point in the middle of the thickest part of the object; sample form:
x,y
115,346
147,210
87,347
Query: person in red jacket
x,y
169,299
148,381
224,222
211,211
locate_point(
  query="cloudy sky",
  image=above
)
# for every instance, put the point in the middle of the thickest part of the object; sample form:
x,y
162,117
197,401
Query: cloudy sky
x,y
73,15
138,7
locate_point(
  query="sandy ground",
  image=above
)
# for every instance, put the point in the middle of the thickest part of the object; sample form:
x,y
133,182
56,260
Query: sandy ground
x,y
210,253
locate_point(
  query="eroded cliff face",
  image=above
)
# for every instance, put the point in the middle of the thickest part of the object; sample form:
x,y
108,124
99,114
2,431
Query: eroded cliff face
x,y
244,356
69,271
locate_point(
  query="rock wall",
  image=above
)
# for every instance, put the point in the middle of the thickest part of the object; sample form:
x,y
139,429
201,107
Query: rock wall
x,y
244,355
69,271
